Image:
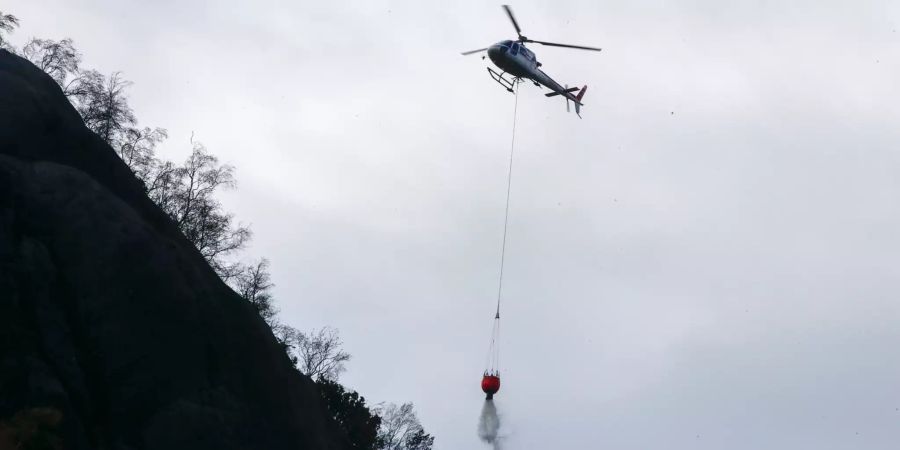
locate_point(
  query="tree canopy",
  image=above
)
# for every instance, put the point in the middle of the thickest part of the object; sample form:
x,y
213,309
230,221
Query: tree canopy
x,y
349,410
320,354
8,23
59,59
400,428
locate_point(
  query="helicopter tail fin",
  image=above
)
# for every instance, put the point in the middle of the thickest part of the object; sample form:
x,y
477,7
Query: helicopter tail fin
x,y
578,98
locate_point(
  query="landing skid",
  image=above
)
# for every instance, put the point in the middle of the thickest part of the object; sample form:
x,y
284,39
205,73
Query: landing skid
x,y
500,79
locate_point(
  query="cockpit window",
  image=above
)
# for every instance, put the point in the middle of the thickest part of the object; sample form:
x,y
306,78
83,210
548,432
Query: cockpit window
x,y
515,49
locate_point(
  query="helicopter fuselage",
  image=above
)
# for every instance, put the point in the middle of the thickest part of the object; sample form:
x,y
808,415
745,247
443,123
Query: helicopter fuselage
x,y
519,61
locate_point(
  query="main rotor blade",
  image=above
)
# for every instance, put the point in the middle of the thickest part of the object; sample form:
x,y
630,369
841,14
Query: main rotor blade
x,y
512,19
474,51
553,44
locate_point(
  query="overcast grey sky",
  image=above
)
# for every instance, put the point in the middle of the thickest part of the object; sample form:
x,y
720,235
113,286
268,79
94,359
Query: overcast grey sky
x,y
708,260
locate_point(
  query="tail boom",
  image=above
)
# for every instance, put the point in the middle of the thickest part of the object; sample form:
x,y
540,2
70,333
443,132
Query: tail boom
x,y
559,90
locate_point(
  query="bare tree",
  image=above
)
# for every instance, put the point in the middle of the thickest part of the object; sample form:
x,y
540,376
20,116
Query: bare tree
x,y
59,59
420,440
288,337
162,184
317,354
187,195
103,104
254,284
400,428
320,355
138,150
8,23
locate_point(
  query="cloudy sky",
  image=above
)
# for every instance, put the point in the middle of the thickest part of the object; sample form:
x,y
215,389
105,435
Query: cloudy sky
x,y
709,259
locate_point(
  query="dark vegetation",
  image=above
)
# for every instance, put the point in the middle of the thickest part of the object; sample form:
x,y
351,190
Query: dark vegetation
x,y
186,192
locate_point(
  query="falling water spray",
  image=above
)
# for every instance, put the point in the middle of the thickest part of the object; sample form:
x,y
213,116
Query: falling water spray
x,y
489,424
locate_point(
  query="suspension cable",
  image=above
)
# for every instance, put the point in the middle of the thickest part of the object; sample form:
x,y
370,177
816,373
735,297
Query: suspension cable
x,y
512,148
493,356
492,359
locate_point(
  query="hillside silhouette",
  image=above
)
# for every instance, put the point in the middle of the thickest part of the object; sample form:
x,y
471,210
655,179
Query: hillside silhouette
x,y
115,332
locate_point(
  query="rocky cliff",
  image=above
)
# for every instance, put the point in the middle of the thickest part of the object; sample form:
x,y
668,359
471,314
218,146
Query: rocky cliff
x,y
109,318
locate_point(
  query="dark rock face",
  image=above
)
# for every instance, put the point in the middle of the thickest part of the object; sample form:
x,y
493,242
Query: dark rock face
x,y
111,317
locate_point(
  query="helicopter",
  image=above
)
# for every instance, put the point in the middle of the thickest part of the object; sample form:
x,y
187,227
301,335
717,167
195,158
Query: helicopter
x,y
513,58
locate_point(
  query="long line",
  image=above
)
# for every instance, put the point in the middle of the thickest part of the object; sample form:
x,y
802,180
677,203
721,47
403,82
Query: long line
x,y
512,149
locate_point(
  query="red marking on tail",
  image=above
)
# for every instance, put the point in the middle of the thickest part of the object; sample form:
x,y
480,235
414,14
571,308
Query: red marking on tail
x,y
581,93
